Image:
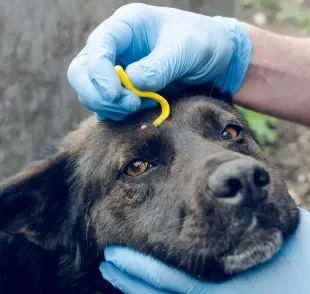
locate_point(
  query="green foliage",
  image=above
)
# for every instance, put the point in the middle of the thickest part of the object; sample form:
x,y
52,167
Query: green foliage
x,y
295,14
262,126
292,12
262,5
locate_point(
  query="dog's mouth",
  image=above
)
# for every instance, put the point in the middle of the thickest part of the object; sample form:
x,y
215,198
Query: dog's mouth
x,y
261,240
256,246
258,243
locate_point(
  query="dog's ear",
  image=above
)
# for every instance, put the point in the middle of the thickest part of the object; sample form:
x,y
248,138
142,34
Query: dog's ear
x,y
33,201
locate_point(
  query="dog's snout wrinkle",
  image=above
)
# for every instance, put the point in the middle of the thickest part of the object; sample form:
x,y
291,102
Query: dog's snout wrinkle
x,y
239,180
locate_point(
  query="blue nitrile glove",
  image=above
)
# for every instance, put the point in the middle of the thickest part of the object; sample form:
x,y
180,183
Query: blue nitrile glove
x,y
286,273
159,45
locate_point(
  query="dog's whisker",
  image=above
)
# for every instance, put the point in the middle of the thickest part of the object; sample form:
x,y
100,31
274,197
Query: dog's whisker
x,y
283,256
213,85
178,220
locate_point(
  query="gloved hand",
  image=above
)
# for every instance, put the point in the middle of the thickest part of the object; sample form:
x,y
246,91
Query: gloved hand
x,y
286,273
157,45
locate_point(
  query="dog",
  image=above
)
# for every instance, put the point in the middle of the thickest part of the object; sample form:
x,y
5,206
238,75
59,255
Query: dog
x,y
196,192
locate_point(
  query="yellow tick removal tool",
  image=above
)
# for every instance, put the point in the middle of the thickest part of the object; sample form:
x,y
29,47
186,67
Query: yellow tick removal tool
x,y
165,108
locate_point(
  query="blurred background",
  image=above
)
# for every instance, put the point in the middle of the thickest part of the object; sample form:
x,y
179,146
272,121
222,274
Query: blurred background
x,y
39,38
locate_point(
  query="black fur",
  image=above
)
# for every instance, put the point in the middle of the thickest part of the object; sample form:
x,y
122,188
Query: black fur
x,y
57,215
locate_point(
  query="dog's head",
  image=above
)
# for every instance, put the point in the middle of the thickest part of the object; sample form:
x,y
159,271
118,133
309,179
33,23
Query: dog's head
x,y
195,192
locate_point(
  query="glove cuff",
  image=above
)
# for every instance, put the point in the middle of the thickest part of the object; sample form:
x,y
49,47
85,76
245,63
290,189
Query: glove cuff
x,y
232,79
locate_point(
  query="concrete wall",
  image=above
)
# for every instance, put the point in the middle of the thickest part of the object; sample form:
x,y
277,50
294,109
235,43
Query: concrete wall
x,y
38,39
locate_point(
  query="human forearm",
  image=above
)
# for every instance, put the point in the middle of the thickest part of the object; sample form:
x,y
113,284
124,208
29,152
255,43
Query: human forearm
x,y
278,79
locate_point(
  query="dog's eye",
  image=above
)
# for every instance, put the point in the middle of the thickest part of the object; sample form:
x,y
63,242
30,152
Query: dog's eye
x,y
137,168
231,132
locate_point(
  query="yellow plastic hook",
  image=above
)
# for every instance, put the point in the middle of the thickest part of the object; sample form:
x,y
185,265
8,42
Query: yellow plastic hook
x,y
165,108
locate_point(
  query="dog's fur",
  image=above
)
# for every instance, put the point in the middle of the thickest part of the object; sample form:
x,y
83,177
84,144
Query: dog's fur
x,y
57,215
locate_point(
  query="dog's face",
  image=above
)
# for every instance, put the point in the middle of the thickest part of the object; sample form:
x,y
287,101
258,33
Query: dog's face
x,y
195,192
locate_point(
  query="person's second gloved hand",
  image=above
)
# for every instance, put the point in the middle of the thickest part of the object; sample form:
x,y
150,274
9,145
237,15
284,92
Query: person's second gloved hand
x,y
286,273
157,45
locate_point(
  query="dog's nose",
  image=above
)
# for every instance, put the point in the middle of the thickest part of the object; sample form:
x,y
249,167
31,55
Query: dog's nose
x,y
242,178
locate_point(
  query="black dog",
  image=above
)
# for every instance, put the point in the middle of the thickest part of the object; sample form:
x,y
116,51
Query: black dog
x,y
195,192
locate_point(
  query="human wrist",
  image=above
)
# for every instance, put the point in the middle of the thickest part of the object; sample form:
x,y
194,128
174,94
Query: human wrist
x,y
278,74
